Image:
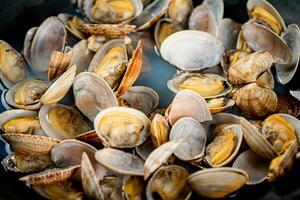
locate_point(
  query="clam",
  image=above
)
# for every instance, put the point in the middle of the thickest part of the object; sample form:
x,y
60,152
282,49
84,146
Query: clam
x,y
291,36
264,11
231,57
59,87
249,68
62,122
58,64
220,104
256,167
159,130
168,182
20,121
164,28
192,50
206,85
92,94
120,161
203,19
141,98
228,31
51,34
179,11
133,188
218,182
255,100
122,127
73,24
217,7
188,104
271,42
12,65
151,14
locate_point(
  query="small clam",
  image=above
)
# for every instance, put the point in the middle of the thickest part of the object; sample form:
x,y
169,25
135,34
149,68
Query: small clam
x,y
58,64
20,121
231,57
217,183
120,161
73,24
256,167
122,127
62,122
168,182
188,104
159,130
59,87
207,85
95,42
141,98
217,105
192,50
133,188
12,65
179,11
203,19
92,94
228,31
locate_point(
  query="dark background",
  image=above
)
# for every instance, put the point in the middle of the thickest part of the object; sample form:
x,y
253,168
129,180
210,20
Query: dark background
x,y
17,16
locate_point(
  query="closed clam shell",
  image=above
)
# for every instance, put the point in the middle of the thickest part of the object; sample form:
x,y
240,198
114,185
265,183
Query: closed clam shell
x,y
217,7
218,182
51,34
159,156
192,50
59,87
179,11
92,94
90,182
285,73
271,42
141,98
27,44
151,14
255,100
169,182
30,144
188,104
174,84
203,19
256,167
120,161
122,127
19,113
249,68
228,31
50,176
256,141
194,139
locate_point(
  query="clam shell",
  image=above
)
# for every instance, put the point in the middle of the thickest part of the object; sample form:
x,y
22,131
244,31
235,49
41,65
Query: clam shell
x,y
218,182
159,156
228,104
192,50
188,104
66,18
120,161
217,7
50,176
194,139
160,130
89,137
266,80
30,144
179,11
203,19
27,44
135,113
270,42
174,83
51,34
92,94
108,30
59,87
228,31
58,63
256,167
256,141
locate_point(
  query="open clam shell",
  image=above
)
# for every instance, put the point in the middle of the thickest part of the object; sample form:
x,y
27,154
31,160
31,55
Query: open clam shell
x,y
228,31
169,178
61,121
256,167
51,34
192,50
132,130
133,187
20,126
218,182
160,130
215,106
179,11
72,24
92,94
188,104
177,83
120,161
194,139
285,73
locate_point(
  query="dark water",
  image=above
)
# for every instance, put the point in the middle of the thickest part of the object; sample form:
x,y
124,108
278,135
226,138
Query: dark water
x,y
17,16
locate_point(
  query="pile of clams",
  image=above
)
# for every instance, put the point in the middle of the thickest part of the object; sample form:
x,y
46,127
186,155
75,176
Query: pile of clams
x,y
79,127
